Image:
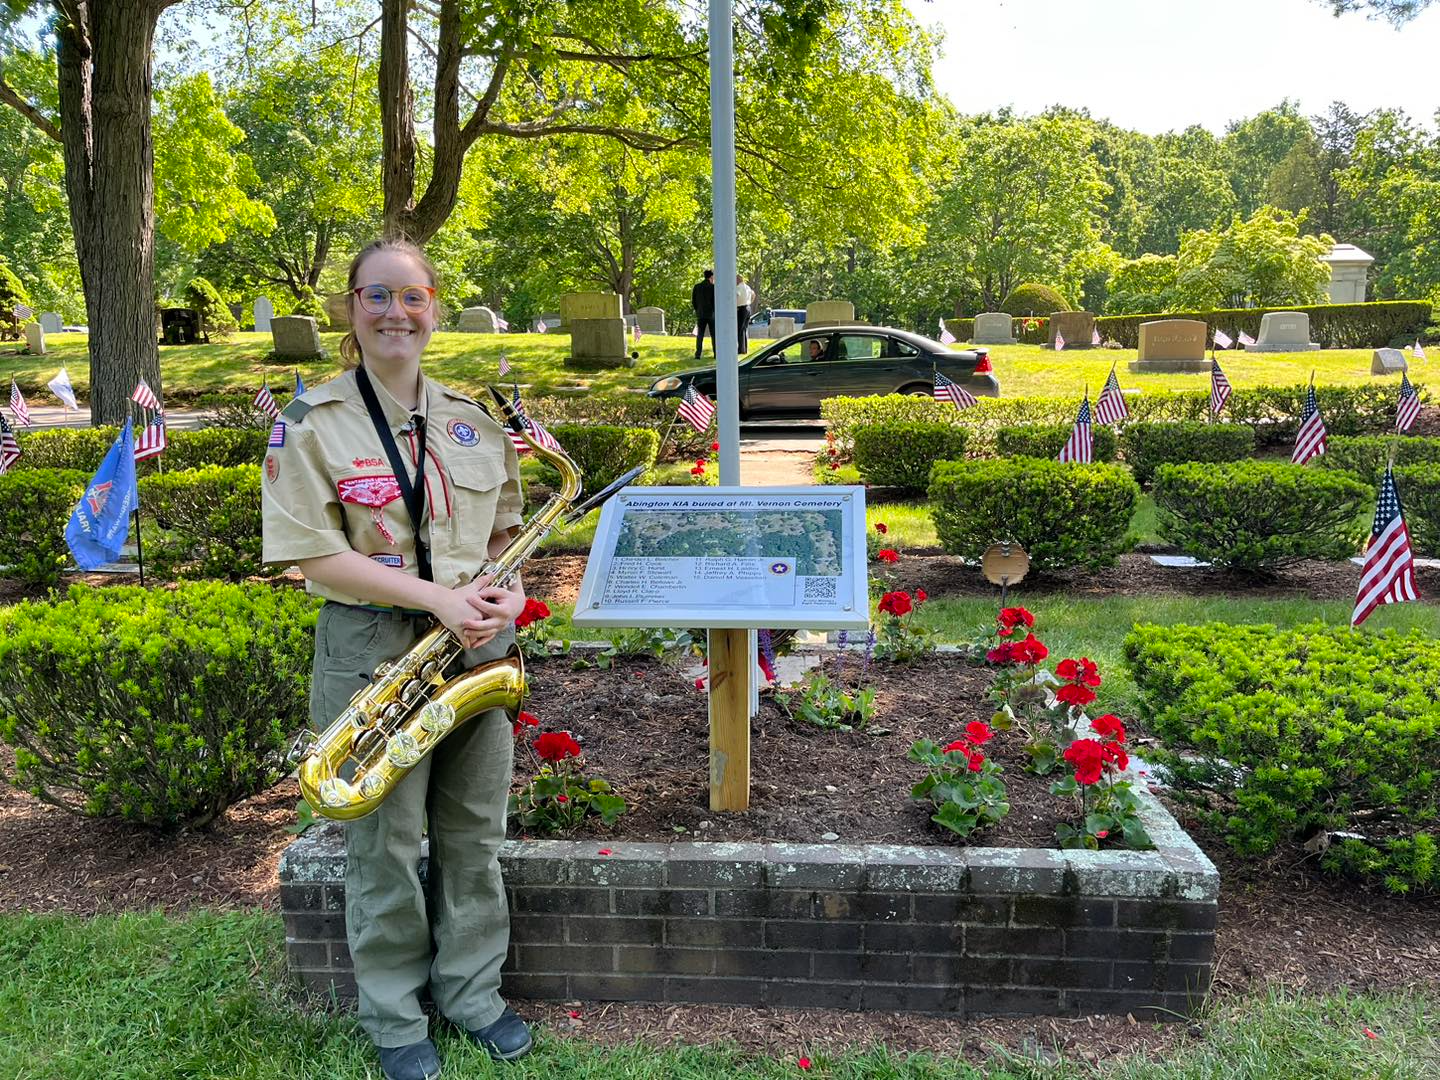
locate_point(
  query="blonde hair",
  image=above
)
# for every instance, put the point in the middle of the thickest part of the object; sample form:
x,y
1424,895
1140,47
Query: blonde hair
x,y
350,354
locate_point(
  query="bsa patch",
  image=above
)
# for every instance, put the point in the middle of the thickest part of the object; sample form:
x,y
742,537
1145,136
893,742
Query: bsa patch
x,y
272,468
384,558
367,463
463,433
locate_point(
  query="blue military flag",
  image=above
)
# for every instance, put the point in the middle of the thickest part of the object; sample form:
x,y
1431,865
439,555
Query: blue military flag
x,y
299,383
101,522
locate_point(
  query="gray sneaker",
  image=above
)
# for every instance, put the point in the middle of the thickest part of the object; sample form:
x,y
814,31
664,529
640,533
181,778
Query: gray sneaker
x,y
506,1039
418,1061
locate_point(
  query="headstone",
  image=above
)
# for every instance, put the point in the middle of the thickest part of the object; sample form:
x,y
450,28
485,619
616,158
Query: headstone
x,y
35,339
1077,326
631,321
264,312
50,322
599,343
994,328
588,305
830,313
782,325
651,319
295,336
1349,269
1284,331
337,310
478,320
1169,345
1387,362
552,320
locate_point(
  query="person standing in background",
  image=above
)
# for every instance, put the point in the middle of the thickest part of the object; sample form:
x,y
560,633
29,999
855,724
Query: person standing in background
x,y
744,297
702,299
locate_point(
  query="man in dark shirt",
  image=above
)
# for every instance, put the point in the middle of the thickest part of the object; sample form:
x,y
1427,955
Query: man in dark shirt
x,y
702,299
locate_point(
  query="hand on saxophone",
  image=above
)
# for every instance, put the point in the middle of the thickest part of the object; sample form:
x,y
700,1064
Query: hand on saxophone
x,y
481,610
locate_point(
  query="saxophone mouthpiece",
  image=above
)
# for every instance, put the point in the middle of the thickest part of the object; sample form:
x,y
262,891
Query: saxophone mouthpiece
x,y
509,415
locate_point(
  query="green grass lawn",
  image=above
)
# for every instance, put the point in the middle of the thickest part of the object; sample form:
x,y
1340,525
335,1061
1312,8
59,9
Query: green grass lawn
x,y
205,997
468,361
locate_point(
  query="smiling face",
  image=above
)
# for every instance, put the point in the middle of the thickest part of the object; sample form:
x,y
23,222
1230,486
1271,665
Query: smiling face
x,y
394,338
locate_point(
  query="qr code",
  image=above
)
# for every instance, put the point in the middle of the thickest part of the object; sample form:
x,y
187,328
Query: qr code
x,y
820,588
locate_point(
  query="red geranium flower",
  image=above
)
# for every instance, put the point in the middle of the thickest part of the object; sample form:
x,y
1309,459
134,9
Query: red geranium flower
x,y
1088,757
562,798
958,745
978,732
1074,694
524,720
834,465
700,463
1004,653
714,446
557,746
1029,651
535,610
895,603
977,761
1011,617
804,1063
881,528
700,683
1109,726
1082,672
1115,755
889,555
921,596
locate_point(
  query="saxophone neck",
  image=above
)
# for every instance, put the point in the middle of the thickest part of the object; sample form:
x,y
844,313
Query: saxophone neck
x,y
514,419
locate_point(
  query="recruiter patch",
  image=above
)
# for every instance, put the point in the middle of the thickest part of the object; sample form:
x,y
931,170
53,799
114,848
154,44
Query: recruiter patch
x,y
463,433
384,558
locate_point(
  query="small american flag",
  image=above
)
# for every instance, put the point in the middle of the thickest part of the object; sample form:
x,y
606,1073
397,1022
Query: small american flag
x,y
1059,341
145,397
9,446
946,338
1416,350
1388,576
501,323
541,436
1310,439
504,364
951,391
1246,339
697,409
152,441
1110,407
541,327
1409,408
18,406
265,402
1079,449
277,434
1223,340
1095,339
23,311
1219,389
638,332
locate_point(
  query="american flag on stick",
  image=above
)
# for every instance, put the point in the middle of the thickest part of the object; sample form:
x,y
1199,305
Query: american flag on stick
x,y
152,441
1219,389
1246,339
1079,449
265,402
946,338
951,391
9,446
1059,341
23,311
18,406
1417,350
145,397
1310,439
1095,338
697,409
1222,339
504,364
1110,407
1388,576
1409,408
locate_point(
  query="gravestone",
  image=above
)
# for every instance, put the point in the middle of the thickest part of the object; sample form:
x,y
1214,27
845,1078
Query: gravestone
x,y
830,313
552,321
1077,326
35,339
1171,345
599,343
1284,331
781,326
264,312
337,310
1349,269
1387,362
50,322
295,336
589,305
478,320
631,322
994,328
651,320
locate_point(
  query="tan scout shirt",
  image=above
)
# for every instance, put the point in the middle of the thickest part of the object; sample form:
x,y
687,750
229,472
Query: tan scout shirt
x,y
328,486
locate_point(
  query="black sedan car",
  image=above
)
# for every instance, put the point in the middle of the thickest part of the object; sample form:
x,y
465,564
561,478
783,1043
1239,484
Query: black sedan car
x,y
787,378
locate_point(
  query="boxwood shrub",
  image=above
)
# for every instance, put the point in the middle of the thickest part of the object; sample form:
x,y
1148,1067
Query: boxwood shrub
x,y
1046,440
625,410
1282,733
1365,455
1257,516
899,455
603,451
1063,515
214,446
35,505
85,448
1333,326
1147,446
1419,488
202,523
158,706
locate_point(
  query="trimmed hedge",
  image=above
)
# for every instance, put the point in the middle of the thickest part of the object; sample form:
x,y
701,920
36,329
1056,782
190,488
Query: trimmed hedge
x,y
1365,455
899,455
35,506
1063,515
158,706
1255,516
1147,446
1419,488
625,410
85,448
1047,440
206,522
1033,299
603,452
1283,733
1333,326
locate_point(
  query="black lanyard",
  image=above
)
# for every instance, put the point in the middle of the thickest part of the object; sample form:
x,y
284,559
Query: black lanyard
x,y
413,494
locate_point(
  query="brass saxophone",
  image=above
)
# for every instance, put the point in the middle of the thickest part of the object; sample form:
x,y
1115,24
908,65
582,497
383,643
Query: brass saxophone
x,y
390,725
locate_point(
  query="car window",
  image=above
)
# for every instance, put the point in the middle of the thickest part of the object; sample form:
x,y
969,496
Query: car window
x,y
820,354
902,349
860,347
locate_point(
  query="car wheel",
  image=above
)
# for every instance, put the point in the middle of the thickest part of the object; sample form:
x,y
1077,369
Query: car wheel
x,y
917,390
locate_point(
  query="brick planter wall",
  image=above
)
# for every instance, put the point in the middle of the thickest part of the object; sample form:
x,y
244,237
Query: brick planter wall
x,y
969,931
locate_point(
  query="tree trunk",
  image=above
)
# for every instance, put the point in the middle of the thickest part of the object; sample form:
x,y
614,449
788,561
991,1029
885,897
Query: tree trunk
x,y
397,116
105,95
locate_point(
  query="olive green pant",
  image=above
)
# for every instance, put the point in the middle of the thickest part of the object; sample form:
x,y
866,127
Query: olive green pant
x,y
453,931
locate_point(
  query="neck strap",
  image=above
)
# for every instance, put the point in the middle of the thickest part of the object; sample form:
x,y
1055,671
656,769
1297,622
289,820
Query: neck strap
x,y
412,493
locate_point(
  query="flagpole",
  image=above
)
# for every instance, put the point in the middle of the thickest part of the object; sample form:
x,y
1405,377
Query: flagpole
x,y
660,451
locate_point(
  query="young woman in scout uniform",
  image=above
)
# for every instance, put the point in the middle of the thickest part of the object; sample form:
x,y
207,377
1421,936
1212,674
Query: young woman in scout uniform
x,y
389,491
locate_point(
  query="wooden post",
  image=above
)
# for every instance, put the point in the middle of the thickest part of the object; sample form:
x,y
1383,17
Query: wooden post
x,y
730,664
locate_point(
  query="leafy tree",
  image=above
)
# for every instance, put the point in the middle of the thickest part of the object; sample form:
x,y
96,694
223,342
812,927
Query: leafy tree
x,y
1255,147
1260,261
1397,12
1142,285
1396,174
